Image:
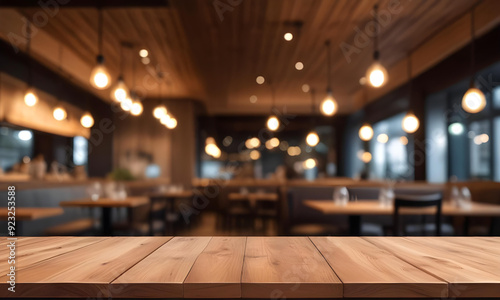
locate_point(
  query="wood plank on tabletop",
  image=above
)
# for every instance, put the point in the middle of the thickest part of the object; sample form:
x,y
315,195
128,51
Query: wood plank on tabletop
x,y
476,256
42,248
217,271
484,244
288,267
465,278
369,271
161,274
84,272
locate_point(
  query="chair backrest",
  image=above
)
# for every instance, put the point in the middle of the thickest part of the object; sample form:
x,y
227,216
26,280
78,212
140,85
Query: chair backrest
x,y
418,201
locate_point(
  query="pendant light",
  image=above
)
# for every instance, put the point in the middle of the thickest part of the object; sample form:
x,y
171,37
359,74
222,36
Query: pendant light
x,y
120,91
376,74
312,138
160,110
366,132
99,77
474,100
136,108
59,113
30,97
329,105
87,120
410,122
273,123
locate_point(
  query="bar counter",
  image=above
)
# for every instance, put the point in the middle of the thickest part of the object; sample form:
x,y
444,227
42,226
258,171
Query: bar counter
x,y
254,267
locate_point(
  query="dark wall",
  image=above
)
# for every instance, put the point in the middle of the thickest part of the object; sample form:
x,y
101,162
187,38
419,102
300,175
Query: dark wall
x,y
44,79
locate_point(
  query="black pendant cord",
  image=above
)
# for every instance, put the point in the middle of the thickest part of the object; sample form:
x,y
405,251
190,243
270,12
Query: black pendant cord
x,y
473,47
100,32
410,78
376,53
328,67
28,52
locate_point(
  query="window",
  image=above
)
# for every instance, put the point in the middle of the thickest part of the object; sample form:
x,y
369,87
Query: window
x,y
80,150
497,148
15,146
496,97
479,145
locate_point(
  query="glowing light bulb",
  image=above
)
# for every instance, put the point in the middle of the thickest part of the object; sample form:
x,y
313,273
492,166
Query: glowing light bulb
x,y
312,139
403,140
275,142
309,163
329,105
366,133
59,113
159,111
456,129
143,53
254,155
382,138
120,91
377,75
260,79
126,104
171,123
30,98
366,157
288,36
410,123
136,108
99,77
164,119
87,120
473,101
299,66
273,123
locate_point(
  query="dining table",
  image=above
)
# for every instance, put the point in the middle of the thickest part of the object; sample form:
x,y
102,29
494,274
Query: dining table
x,y
166,198
254,267
24,214
356,209
106,205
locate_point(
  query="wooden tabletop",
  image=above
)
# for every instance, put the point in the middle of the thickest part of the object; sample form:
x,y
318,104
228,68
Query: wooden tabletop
x,y
32,213
373,207
171,194
106,202
254,267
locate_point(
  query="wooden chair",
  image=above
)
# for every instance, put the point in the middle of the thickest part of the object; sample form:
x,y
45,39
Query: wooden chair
x,y
418,202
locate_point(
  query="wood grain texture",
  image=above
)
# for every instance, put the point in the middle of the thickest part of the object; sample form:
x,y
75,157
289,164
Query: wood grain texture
x,y
369,271
217,271
30,251
85,272
32,213
373,207
106,202
465,278
161,274
291,267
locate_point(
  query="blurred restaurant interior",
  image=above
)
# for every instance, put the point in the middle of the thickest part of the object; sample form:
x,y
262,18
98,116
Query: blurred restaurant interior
x,y
250,117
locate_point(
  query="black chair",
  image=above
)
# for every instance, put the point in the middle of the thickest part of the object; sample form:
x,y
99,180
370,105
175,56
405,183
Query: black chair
x,y
418,201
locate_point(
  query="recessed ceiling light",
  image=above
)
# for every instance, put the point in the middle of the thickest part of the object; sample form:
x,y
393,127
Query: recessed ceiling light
x,y
253,99
299,65
143,53
288,36
260,79
305,88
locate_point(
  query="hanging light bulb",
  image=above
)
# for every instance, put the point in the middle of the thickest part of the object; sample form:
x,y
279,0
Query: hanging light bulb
x,y
59,113
410,123
99,77
273,123
171,123
120,91
164,119
312,139
126,104
329,105
474,100
159,111
30,98
366,132
376,74
87,120
136,108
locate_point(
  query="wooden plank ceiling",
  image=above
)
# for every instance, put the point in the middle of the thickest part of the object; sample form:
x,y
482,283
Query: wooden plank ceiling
x,y
217,60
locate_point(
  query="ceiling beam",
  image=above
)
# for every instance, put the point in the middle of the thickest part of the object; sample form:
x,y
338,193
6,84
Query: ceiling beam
x,y
83,3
